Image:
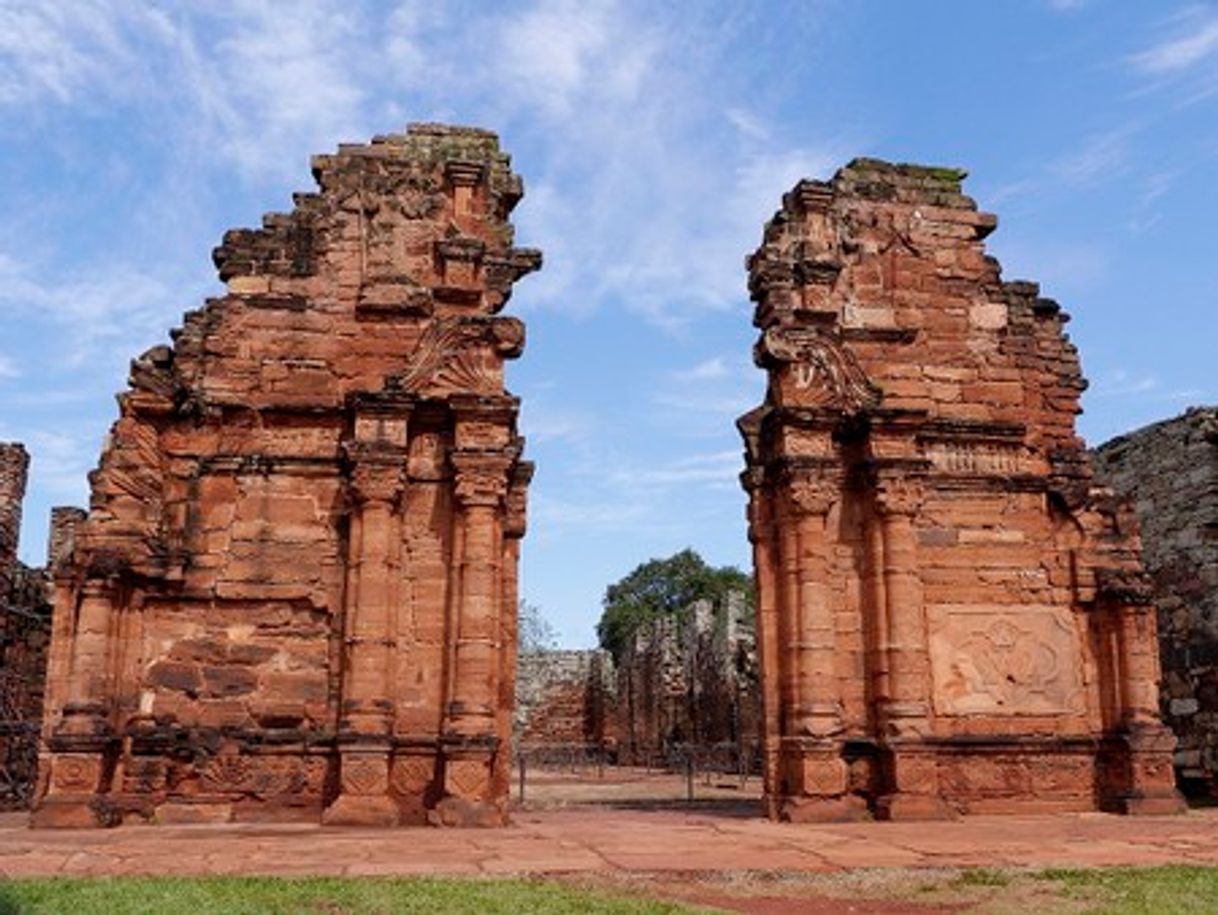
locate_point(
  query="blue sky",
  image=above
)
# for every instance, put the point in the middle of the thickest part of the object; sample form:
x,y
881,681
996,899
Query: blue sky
x,y
654,139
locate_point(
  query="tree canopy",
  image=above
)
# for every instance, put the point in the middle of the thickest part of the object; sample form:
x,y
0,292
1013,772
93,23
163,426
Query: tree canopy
x,y
663,587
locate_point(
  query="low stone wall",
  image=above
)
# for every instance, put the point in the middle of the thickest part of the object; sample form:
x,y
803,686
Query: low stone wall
x,y
1169,471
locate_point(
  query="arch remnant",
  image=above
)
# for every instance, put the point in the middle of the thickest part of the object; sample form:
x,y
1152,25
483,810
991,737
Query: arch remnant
x,y
952,614
294,595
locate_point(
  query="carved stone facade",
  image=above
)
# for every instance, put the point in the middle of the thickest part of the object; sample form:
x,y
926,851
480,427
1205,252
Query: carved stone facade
x,y
952,616
1169,471
294,595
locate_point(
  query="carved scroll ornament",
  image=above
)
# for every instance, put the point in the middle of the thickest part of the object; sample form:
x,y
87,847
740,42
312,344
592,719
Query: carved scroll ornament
x,y
826,373
450,355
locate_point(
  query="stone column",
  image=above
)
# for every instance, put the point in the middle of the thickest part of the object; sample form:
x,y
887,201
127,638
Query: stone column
x,y
905,709
79,770
761,535
817,703
815,775
367,706
1148,745
470,726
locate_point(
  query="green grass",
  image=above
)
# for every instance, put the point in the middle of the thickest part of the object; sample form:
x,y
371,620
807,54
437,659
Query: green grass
x,y
1172,890
314,896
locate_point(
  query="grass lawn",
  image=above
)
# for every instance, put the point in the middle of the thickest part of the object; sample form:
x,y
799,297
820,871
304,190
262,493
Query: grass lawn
x,y
1120,891
315,896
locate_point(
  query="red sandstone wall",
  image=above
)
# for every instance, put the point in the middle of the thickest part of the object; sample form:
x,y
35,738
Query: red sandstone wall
x,y
952,612
299,560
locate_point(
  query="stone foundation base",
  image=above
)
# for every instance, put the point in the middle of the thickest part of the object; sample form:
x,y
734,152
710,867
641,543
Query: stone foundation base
x,y
845,809
907,807
74,813
361,810
458,811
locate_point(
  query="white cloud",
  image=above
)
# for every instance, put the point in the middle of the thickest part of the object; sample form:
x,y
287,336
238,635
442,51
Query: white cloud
x,y
1101,157
103,316
8,367
1183,51
706,370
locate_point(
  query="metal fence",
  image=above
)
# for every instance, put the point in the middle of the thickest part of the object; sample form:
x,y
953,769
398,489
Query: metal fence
x,y
698,763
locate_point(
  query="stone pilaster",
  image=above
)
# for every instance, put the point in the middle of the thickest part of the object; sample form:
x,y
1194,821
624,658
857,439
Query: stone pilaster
x,y
815,774
373,574
904,711
1143,741
470,739
765,566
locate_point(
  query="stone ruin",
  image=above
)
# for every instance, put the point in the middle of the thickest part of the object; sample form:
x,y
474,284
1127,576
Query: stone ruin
x,y
1169,471
565,699
952,616
689,680
294,595
25,630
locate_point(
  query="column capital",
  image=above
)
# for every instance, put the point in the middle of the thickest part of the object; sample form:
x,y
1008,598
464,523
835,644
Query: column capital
x,y
376,482
813,494
481,478
897,494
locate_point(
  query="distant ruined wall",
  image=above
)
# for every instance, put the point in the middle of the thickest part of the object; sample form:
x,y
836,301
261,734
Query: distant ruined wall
x,y
565,697
14,467
689,680
25,626
1169,471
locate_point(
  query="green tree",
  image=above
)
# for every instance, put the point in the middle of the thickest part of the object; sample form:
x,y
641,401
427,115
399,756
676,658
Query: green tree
x,y
663,587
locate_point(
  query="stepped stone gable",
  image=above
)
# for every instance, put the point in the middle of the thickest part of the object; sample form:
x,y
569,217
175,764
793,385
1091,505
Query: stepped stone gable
x,y
1170,472
952,612
294,595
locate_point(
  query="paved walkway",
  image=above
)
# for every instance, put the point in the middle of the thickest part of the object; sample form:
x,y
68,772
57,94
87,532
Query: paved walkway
x,y
587,840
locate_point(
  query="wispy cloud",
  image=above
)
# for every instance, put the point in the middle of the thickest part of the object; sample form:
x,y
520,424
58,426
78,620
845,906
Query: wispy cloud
x,y
8,367
1100,157
1194,40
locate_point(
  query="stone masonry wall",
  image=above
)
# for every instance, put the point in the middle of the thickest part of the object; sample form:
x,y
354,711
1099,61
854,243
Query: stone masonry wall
x,y
952,613
25,625
1169,471
689,680
14,466
565,697
294,596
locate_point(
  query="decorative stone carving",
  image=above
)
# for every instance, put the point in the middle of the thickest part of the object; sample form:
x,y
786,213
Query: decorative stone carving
x,y
899,495
813,496
971,607
823,372
452,355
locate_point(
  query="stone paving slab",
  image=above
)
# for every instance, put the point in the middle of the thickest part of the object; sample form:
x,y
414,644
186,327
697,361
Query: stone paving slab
x,y
607,841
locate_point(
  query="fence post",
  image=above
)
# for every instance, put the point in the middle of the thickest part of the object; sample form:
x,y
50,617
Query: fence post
x,y
520,762
689,777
